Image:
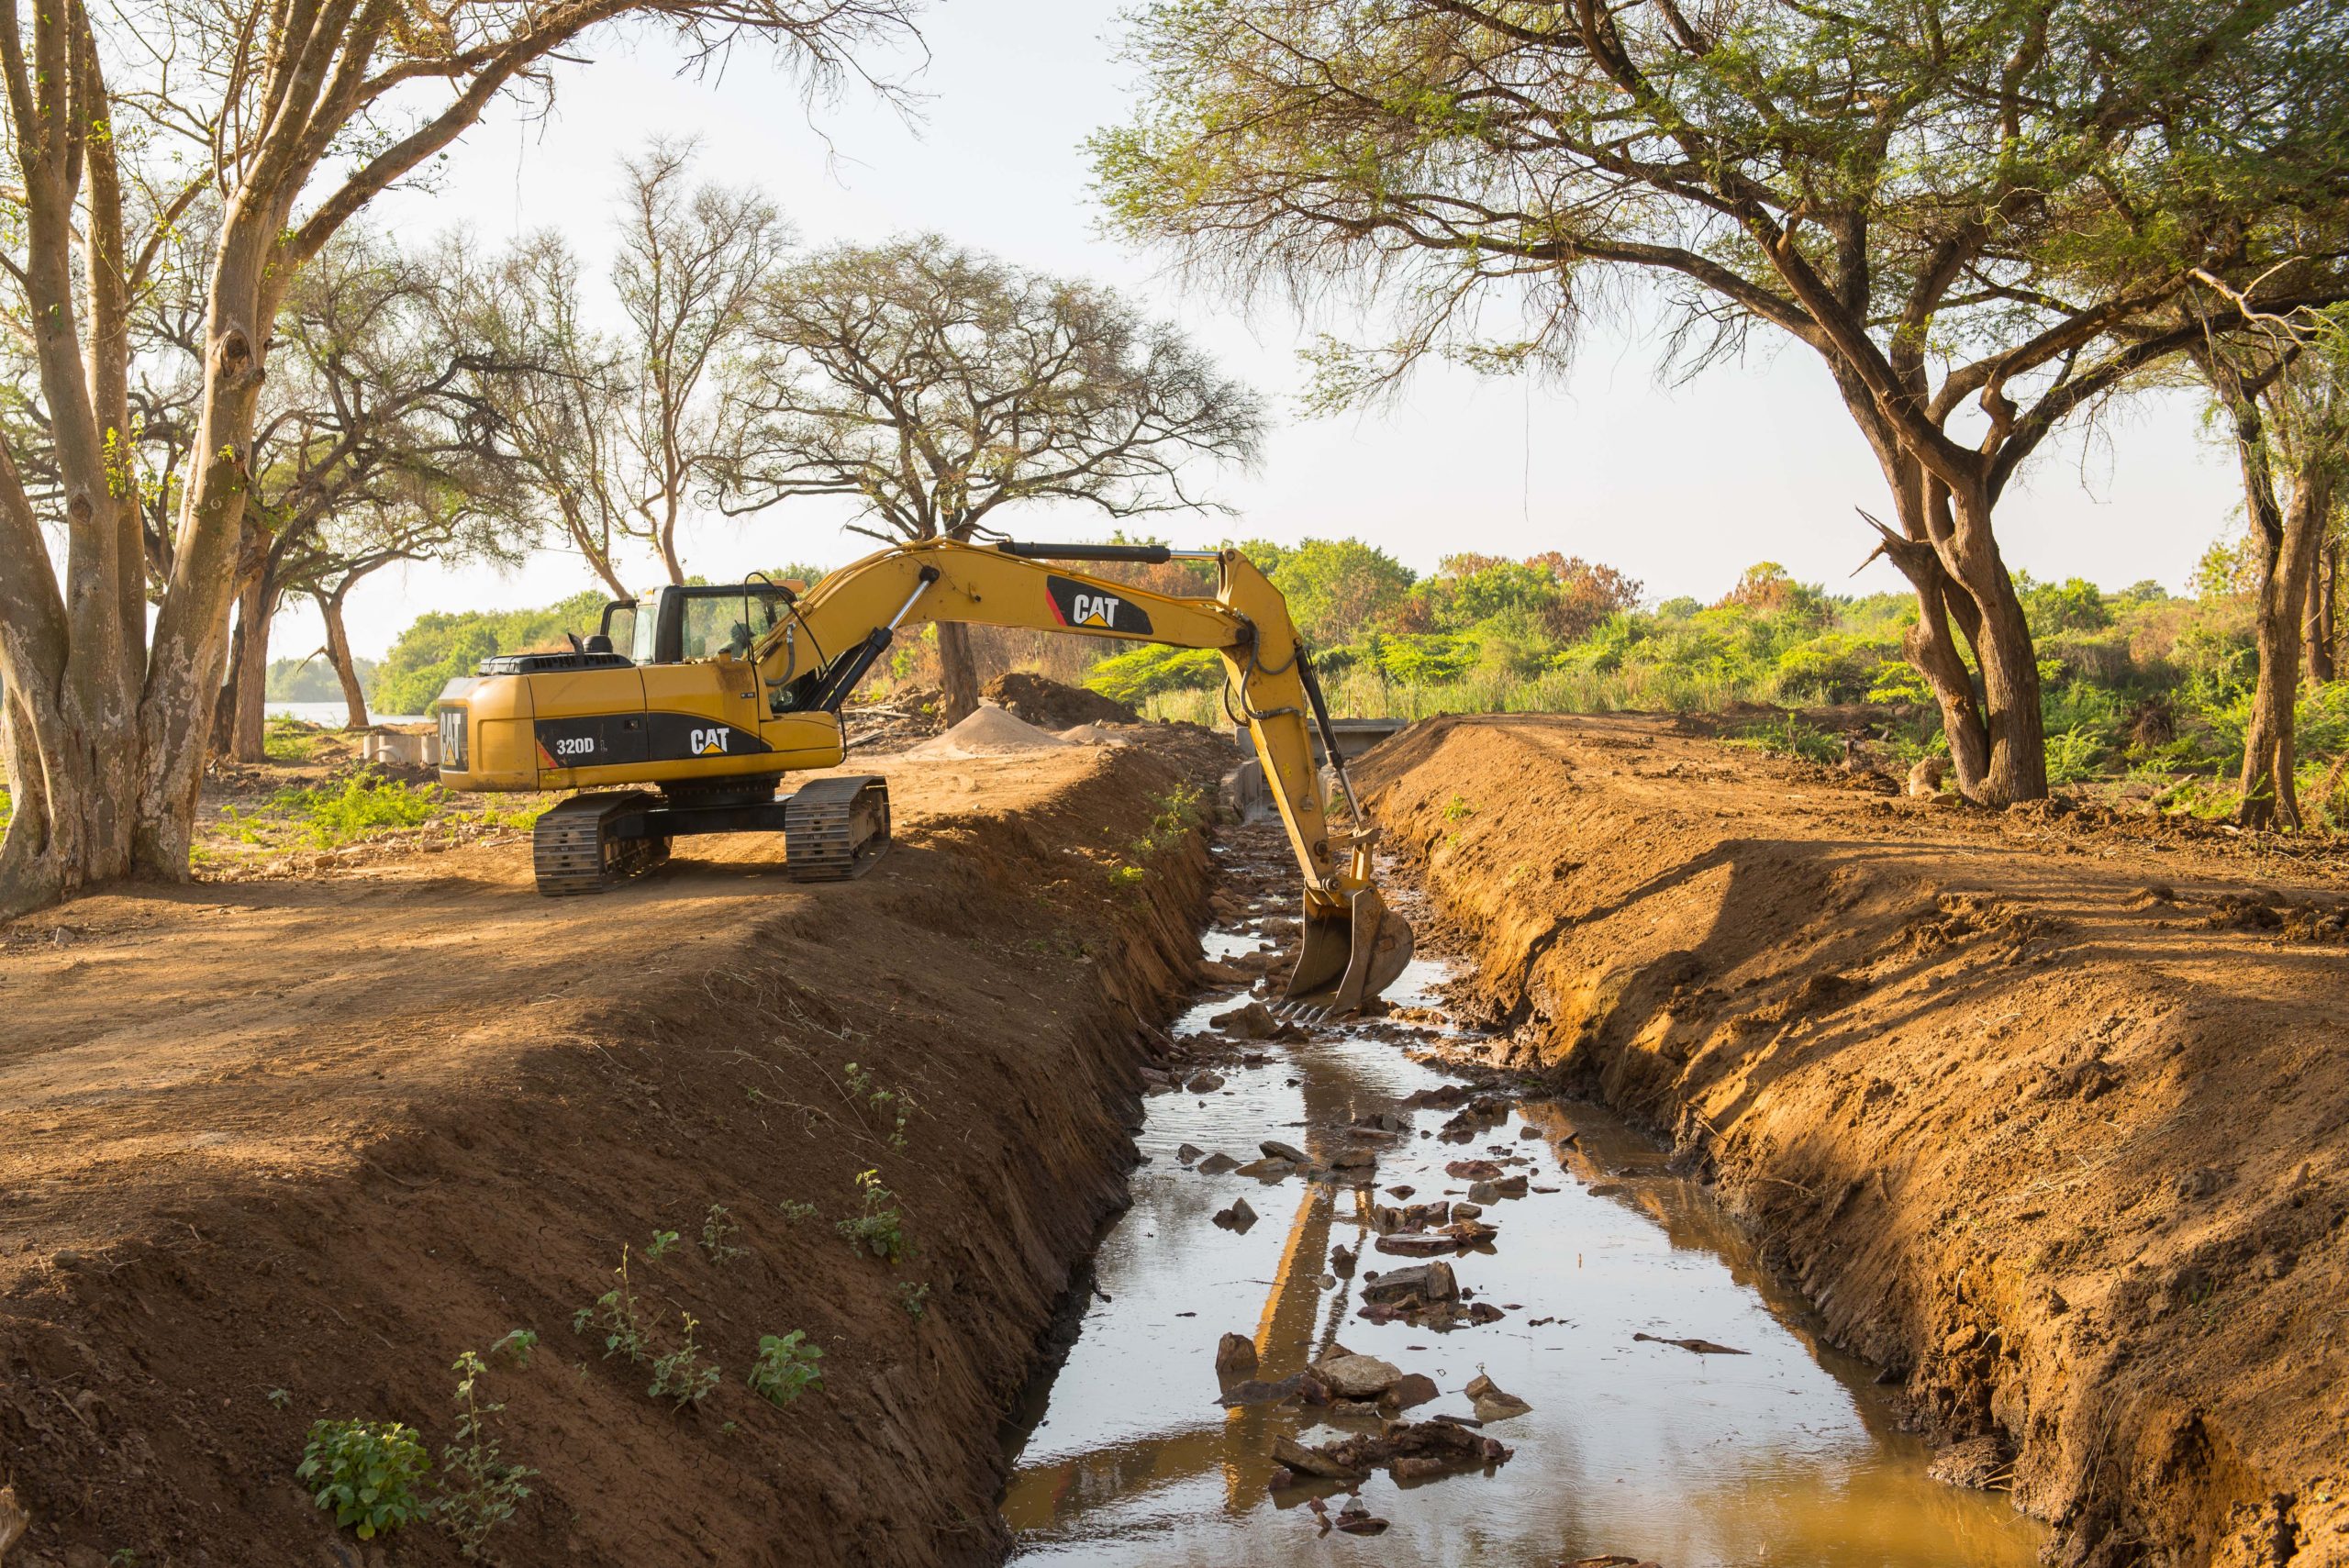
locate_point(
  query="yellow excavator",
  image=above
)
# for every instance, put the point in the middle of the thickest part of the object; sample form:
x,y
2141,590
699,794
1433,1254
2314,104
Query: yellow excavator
x,y
723,691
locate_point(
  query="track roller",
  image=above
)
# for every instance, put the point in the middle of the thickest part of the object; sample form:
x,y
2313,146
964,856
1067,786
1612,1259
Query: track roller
x,y
577,848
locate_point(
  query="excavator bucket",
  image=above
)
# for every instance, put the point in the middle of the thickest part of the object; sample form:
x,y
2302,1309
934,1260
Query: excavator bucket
x,y
1348,956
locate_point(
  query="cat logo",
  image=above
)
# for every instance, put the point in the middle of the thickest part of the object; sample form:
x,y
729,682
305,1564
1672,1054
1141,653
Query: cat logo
x,y
707,742
1083,604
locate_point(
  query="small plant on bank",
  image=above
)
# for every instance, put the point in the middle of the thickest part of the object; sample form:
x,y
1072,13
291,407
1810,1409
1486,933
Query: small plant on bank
x,y
1174,815
717,1233
683,1375
479,1490
1459,809
616,1311
367,1473
663,1241
1124,878
914,1298
516,1345
880,1228
785,1367
794,1212
894,1106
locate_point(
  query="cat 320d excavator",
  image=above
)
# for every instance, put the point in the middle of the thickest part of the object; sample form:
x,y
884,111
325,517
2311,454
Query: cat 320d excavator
x,y
726,690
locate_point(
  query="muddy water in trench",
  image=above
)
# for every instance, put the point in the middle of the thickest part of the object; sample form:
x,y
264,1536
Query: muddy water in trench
x,y
1786,1454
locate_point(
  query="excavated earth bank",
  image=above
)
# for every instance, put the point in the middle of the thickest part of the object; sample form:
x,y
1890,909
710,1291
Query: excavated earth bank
x,y
279,1152
2049,1114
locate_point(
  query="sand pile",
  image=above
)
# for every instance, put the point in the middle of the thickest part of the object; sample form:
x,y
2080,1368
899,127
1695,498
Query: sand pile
x,y
991,731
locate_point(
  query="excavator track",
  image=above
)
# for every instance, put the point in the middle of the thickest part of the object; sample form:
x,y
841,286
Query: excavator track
x,y
836,829
576,846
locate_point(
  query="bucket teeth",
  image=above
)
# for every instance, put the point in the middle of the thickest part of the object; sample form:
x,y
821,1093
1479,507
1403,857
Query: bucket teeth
x,y
1348,957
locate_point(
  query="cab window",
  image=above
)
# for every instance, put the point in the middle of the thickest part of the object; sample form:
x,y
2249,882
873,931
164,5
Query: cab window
x,y
729,623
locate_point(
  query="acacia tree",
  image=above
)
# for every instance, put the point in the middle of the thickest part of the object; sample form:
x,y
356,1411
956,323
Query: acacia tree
x,y
377,417
2285,390
1980,214
293,114
933,386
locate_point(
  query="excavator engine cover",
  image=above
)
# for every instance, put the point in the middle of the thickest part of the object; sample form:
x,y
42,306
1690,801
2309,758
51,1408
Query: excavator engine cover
x,y
1348,956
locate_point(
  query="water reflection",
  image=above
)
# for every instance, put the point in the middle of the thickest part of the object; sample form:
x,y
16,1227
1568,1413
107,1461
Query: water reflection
x,y
1777,1456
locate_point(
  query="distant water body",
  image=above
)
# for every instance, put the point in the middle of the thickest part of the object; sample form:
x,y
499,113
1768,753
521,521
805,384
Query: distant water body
x,y
333,714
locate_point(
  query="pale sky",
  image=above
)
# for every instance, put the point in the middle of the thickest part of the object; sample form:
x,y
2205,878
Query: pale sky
x,y
1679,486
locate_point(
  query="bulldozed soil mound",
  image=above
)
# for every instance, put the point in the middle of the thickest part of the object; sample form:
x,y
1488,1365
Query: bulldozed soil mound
x,y
1050,705
2049,1116
990,731
278,1152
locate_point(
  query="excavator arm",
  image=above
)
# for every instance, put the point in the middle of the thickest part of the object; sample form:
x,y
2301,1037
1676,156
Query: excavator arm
x,y
1353,946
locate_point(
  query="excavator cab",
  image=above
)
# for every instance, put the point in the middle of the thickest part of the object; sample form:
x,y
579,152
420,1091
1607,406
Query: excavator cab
x,y
674,625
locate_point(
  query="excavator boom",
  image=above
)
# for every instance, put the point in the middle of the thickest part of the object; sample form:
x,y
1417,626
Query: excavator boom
x,y
713,723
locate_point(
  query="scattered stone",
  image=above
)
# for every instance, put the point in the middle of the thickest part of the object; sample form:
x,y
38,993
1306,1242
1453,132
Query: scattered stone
x,y
1355,1377
1189,1152
1274,1148
1412,1388
1481,1193
1400,1192
1217,1163
1443,1096
1485,1312
1383,1121
1492,1402
1472,1171
1511,1186
1239,1217
1356,1519
1466,1211
1416,1244
1701,1347
1235,1356
1205,1084
1267,1170
1607,1189
1281,1479
1528,1132
1356,1160
1467,1233
1307,1461
1341,1261
1252,1021
1428,1282
1252,1391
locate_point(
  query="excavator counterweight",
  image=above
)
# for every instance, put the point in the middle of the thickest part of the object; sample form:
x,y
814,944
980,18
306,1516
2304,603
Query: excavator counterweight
x,y
725,691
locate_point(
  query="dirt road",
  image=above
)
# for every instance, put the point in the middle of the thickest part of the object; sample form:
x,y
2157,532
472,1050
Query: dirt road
x,y
279,1151
2048,1112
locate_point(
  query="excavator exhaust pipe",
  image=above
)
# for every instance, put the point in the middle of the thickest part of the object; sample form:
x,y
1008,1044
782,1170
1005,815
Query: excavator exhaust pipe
x,y
1350,955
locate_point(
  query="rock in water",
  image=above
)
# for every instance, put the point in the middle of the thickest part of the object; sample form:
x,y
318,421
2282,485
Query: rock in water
x,y
1235,1356
1307,1461
1205,1084
1253,1022
1411,1388
1274,1148
1189,1152
1701,1347
1356,1377
1492,1402
1428,1282
1239,1217
1217,1163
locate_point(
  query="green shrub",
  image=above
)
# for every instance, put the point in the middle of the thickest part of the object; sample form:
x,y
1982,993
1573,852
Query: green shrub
x,y
367,1472
362,804
880,1228
786,1368
1146,671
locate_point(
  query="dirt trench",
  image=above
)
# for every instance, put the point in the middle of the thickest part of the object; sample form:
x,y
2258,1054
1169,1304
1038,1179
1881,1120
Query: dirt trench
x,y
282,1151
2049,1115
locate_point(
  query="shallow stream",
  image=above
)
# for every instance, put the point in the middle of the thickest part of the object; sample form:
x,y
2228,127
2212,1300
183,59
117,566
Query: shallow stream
x,y
1787,1453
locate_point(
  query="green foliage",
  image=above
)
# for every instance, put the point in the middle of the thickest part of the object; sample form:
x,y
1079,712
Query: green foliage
x,y
1336,586
1125,878
1174,815
662,1243
891,1107
684,1374
313,680
717,1232
516,1345
287,740
914,1298
794,1212
617,1313
328,815
479,1489
1147,670
367,1472
444,645
879,1229
786,1368
1789,735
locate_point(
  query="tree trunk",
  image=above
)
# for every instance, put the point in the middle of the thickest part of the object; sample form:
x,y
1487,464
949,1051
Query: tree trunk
x,y
2288,560
224,702
2321,627
184,665
354,699
256,607
2017,766
958,671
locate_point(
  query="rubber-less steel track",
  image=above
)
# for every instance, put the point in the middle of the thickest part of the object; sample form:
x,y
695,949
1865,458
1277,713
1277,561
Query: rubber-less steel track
x,y
575,849
836,829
